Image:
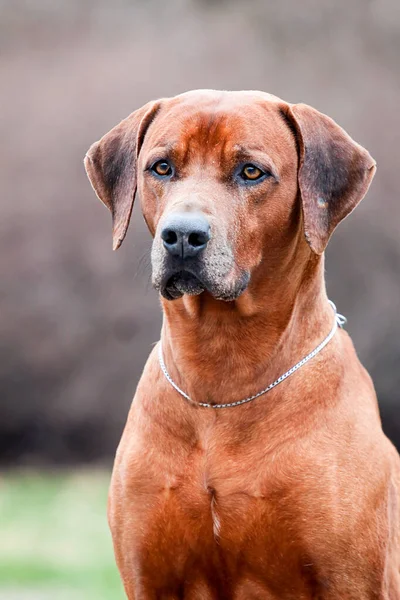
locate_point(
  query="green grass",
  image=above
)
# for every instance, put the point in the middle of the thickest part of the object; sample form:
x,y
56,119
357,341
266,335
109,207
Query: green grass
x,y
54,538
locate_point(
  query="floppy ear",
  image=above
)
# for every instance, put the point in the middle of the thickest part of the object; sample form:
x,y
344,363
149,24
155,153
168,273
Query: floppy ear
x,y
334,173
110,165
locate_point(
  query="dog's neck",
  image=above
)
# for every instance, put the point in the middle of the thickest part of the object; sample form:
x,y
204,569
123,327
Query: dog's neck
x,y
223,352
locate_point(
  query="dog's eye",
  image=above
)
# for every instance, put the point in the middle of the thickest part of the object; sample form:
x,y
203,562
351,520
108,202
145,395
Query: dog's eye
x,y
162,168
251,173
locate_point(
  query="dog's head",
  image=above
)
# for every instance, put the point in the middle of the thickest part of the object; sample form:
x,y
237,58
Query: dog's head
x,y
228,181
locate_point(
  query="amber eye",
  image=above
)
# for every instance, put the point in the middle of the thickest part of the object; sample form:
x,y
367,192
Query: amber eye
x,y
162,168
251,173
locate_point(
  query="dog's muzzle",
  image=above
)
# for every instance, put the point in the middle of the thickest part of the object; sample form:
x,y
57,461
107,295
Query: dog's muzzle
x,y
187,259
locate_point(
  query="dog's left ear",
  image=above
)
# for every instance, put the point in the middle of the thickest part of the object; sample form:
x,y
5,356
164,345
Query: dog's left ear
x,y
110,165
334,172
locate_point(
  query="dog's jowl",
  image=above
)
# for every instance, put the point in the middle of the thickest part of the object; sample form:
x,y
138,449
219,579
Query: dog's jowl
x,y
253,464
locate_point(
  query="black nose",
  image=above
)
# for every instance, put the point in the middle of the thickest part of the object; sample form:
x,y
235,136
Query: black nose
x,y
185,234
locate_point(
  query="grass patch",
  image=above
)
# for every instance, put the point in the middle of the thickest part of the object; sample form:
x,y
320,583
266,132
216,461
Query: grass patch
x,y
54,538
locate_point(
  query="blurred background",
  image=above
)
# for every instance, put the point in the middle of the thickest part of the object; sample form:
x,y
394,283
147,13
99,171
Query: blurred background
x,y
76,320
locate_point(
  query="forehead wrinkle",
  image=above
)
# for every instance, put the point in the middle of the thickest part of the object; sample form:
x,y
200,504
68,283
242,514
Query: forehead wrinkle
x,y
203,135
212,134
240,149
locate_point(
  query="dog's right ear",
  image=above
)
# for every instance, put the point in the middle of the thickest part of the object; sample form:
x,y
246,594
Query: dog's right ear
x,y
111,163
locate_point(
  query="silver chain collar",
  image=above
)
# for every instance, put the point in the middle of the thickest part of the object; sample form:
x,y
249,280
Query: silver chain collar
x,y
339,320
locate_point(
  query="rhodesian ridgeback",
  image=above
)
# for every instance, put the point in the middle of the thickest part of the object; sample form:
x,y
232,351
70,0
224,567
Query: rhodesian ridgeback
x,y
253,463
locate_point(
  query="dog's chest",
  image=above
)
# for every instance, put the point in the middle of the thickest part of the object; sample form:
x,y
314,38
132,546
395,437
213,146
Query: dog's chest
x,y
207,508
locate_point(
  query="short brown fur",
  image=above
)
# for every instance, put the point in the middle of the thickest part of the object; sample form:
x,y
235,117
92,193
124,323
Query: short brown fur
x,y
294,495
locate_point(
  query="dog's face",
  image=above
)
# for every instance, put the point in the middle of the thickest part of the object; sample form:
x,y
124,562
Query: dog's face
x,y
219,175
217,179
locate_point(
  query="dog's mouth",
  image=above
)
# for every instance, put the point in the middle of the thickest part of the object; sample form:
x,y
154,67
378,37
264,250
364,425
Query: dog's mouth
x,y
214,272
181,283
184,282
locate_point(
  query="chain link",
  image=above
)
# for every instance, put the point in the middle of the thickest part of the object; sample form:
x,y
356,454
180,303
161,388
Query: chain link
x,y
339,320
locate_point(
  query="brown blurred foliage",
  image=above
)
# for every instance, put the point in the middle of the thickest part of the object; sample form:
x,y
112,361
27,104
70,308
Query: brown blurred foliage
x,y
76,320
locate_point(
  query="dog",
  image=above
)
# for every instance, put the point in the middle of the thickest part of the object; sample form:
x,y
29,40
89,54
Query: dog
x,y
253,463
